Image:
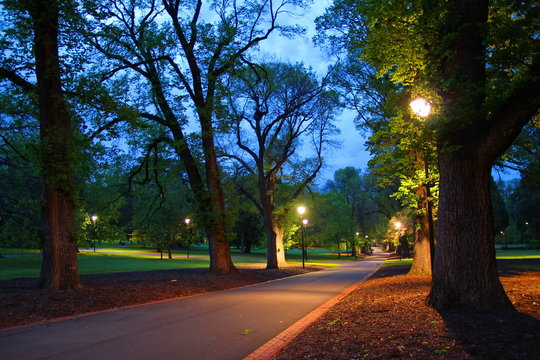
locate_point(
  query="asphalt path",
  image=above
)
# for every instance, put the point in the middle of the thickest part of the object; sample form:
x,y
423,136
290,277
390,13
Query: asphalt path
x,y
224,325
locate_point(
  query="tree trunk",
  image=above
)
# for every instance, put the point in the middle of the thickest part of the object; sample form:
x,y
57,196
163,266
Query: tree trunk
x,y
422,252
59,266
465,272
220,259
404,245
279,230
242,243
275,255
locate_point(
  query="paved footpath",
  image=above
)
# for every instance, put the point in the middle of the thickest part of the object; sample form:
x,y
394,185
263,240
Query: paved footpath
x,y
225,325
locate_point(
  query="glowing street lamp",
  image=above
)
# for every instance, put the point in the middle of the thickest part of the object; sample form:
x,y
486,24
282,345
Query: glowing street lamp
x,y
187,221
398,225
94,218
304,224
420,107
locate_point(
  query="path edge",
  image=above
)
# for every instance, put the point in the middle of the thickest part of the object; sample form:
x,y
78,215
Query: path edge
x,y
278,342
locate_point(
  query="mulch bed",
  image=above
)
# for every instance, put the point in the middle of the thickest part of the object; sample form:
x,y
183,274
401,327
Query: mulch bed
x,y
387,318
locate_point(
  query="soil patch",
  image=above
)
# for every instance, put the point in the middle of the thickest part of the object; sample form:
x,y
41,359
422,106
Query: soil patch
x,y
387,318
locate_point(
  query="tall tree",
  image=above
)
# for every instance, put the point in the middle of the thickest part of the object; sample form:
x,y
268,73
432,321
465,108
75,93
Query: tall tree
x,y
402,147
59,266
179,52
487,123
477,61
276,109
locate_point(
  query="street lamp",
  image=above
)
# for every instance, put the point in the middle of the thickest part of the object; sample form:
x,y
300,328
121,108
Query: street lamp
x,y
187,221
420,107
301,211
94,219
304,223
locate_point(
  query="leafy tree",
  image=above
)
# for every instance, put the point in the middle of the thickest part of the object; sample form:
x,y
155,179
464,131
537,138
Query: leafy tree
x,y
477,63
275,109
403,149
19,200
178,53
460,56
39,20
333,215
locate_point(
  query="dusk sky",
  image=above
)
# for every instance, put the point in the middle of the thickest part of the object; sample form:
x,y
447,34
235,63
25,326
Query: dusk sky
x,y
301,49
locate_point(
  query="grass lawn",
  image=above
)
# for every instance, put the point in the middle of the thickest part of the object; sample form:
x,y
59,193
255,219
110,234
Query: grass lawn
x,y
518,254
10,251
395,262
501,254
28,266
121,260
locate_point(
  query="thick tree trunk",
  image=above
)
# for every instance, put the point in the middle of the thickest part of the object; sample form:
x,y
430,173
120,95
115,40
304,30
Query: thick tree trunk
x,y
220,256
275,254
279,230
422,251
59,266
220,261
465,272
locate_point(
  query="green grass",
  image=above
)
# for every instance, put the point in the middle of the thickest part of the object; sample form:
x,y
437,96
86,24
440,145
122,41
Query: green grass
x,y
14,267
396,262
501,254
10,251
28,266
518,254
527,267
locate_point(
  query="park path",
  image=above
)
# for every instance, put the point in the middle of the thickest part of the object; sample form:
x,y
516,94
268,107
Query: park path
x,y
226,325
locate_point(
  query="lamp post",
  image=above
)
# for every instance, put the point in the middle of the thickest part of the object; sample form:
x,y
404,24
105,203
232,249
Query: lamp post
x,y
94,219
301,211
422,108
187,221
304,223
398,226
356,246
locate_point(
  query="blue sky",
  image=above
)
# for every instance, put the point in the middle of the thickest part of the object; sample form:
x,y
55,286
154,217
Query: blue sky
x,y
301,49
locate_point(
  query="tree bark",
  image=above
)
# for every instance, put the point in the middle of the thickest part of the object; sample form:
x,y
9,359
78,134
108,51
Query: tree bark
x,y
422,250
59,267
465,272
273,224
221,261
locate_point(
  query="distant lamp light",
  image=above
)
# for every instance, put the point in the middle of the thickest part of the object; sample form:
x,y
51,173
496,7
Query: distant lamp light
x,y
420,107
305,221
187,221
301,210
398,225
94,218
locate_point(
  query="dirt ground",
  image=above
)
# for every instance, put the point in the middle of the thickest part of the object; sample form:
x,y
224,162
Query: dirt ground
x,y
385,318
